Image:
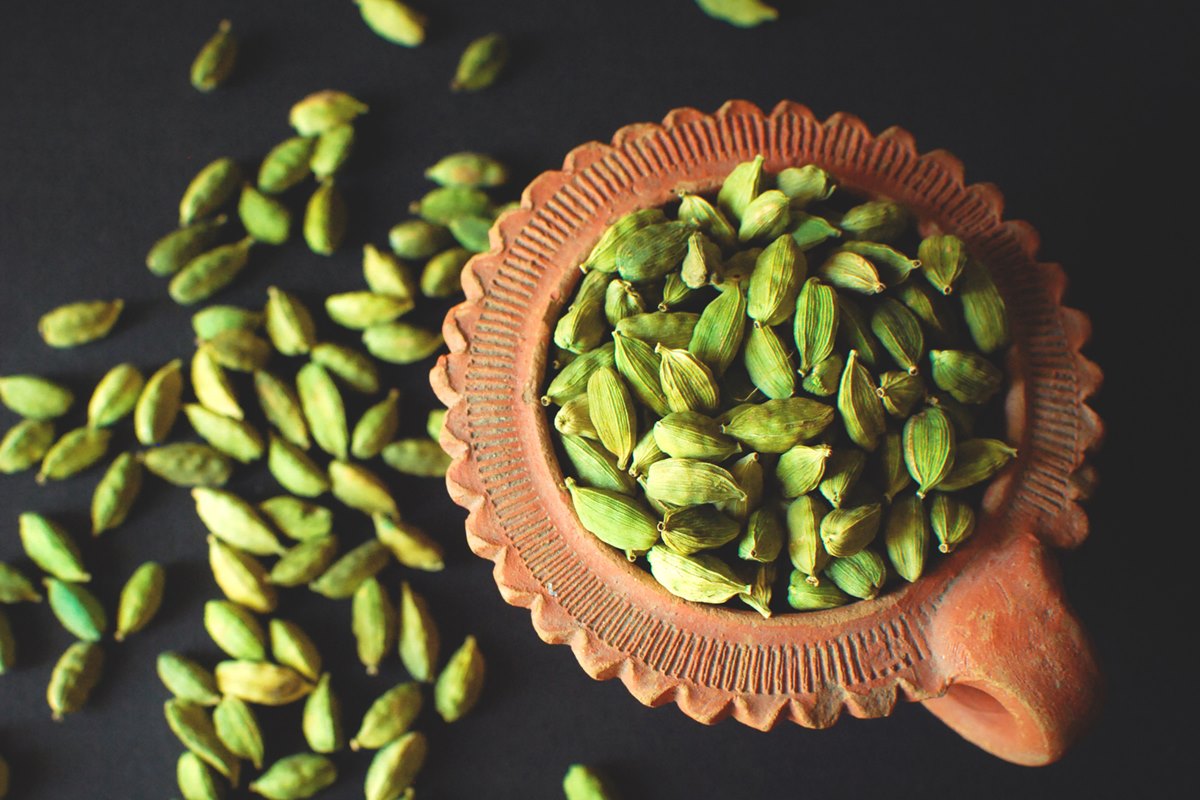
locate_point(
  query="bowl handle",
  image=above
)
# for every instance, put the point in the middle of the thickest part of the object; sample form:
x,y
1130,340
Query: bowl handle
x,y
1020,675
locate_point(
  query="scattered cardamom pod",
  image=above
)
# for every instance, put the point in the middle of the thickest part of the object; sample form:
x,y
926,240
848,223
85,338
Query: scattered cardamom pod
x,y
193,727
24,445
401,343
292,647
299,776
460,682
741,14
235,630
393,20
294,470
212,187
331,151
187,680
701,578
188,464
115,395
322,719
79,323
212,386
76,609
15,587
34,397
952,521
352,367
325,219
266,219
140,600
214,63
75,674
345,575
286,165
50,547
262,683
281,407
240,577
943,259
395,767
116,492
419,640
411,546
324,110
75,451
480,64
196,780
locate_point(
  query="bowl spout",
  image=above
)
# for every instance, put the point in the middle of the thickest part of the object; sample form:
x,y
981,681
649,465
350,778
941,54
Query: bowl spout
x,y
1020,676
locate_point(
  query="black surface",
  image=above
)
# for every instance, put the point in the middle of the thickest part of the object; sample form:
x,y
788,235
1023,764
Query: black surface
x,y
1068,107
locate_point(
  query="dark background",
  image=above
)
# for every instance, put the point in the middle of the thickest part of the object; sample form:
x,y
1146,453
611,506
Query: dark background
x,y
1071,108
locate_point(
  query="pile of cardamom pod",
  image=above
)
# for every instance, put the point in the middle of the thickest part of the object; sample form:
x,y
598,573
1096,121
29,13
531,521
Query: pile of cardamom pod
x,y
774,377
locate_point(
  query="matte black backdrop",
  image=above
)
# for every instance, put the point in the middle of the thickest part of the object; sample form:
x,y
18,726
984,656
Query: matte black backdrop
x,y
1064,105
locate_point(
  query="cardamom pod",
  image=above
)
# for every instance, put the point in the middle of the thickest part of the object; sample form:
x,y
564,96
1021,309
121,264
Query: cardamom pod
x,y
768,363
214,63
854,332
187,464
323,408
237,728
235,630
411,546
890,461
766,217
394,21
325,219
301,775
741,14
196,780
761,587
292,647
687,382
262,683
240,577
34,397
419,641
803,595
801,468
892,264
345,575
480,64
674,292
702,263
359,488
212,386
212,187
233,437
575,419
401,343
281,407
186,679
297,519
209,272
415,239
140,600
75,674
373,620
701,578
900,393
376,427
931,308
191,725
669,328
899,332
389,717
691,529
685,482
952,520
304,562
597,467
354,368
473,170
779,273
395,767
322,719
842,472
286,165
748,472
613,413
174,250
460,682
689,434
51,548
235,521
816,323
266,219
423,458
906,537
640,366
289,323
321,111
331,151
861,408
846,531
571,381
983,308
976,460
860,575
614,518
116,492
649,253
764,537
115,395
15,587
806,550
808,230
776,426
929,448
852,272
645,453
75,451
968,377
700,214
804,185
876,221
825,376
621,300
740,187
24,445
386,274
79,323
76,609
447,203
472,233
943,258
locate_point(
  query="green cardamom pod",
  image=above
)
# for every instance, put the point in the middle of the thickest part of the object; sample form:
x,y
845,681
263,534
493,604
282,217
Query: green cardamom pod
x,y
411,546
943,258
854,332
804,185
842,472
640,366
480,64
952,520
8,658
240,577
79,323
684,482
261,682
740,14
187,464
116,492
852,272
322,719
572,380
359,488
702,263
892,264
75,674
286,165
289,323
360,310
301,775
779,273
801,468
748,472
214,63
460,682
394,21
345,575
24,445
816,323
331,151
621,300
825,376
929,448
645,453
235,630
761,587
597,467
718,334
422,458
15,587
325,219
292,647
581,782
900,393
983,308
75,451
701,214
805,596
235,521
766,217
768,363
192,726
238,729
304,562
239,350
808,230
614,518
376,427
323,408
472,233
415,239
876,221
900,334
115,395
931,308
740,188
210,272
442,274
282,408
395,767
384,273
473,170
649,253
140,600
446,203
212,386
806,550
582,327
764,537
674,292
212,187
187,680
76,609
613,413
373,620
389,717
672,329
691,529
861,409
846,531
35,398
324,110
401,343
891,468
233,437
906,536
51,548
173,251
701,578
689,434
297,519
775,426
961,417
266,219
196,780
687,382
968,377
860,575
354,368
419,641
976,460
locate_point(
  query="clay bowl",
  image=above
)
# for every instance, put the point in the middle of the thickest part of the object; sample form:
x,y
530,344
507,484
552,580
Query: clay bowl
x,y
984,640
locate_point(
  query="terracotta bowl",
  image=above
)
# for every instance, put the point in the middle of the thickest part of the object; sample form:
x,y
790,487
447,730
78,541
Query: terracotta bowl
x,y
984,640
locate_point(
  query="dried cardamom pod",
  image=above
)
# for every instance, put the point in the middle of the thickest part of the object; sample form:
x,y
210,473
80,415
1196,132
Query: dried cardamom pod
x,y
801,468
876,221
325,219
239,350
976,460
645,453
196,780
777,425
411,546
768,363
860,575
187,680
395,767
892,264
240,577
740,188
852,272
968,377
261,682
640,366
900,393
952,520
323,408
691,529
929,448
74,452
322,720
480,64
419,639
15,587
596,466
741,14
983,308
701,578
460,683
779,273
766,217
384,273
140,600
700,214
861,409
389,717
674,292
210,272
289,323
286,165
906,537
212,386
235,521
235,630
292,647
233,437
50,547
214,62
685,482
115,395
621,300
613,413
446,203
805,185
943,258
805,596
808,230
846,531
890,459
669,328
401,343
764,537
361,310
689,434
702,264
473,170
237,728
191,725
394,21
575,419
687,382
748,472
806,550
376,427
79,323
324,110
373,622
212,187
572,380
302,774
345,575
74,676
187,464
24,445
76,609
353,367
282,408
825,376
331,151
854,332
297,519
266,219
614,518
422,458
472,232
173,251
442,274
759,596
816,324
931,308
116,492
649,253
305,562
842,472
899,332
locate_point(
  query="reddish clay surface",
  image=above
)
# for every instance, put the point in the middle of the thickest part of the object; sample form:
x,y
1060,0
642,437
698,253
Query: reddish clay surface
x,y
984,639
